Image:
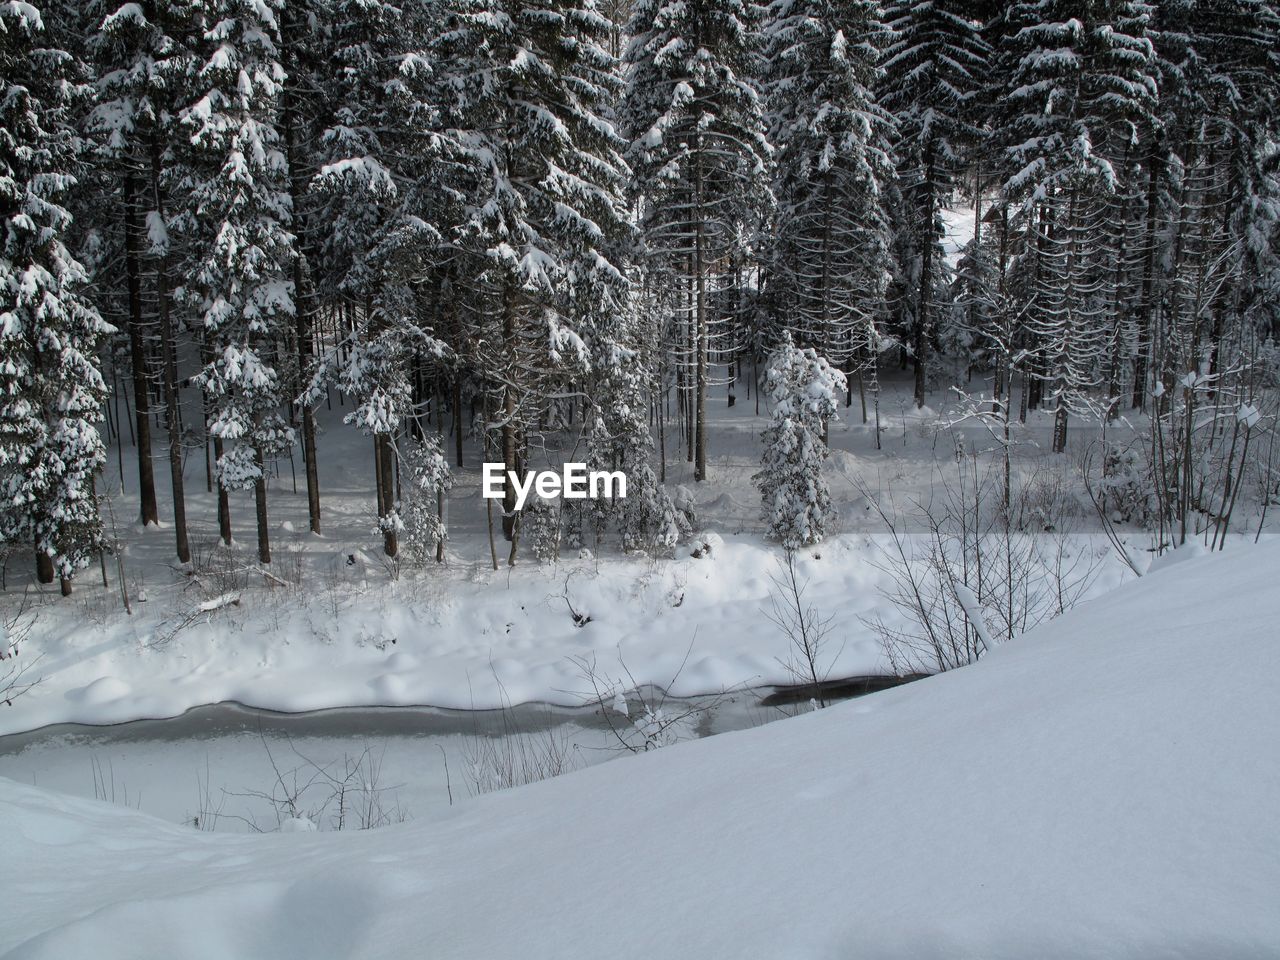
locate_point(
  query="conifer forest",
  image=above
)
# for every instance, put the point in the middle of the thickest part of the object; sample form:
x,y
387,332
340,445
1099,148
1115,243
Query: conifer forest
x,y
500,220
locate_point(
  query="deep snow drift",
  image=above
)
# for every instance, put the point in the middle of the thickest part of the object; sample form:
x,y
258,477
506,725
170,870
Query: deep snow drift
x,y
1104,786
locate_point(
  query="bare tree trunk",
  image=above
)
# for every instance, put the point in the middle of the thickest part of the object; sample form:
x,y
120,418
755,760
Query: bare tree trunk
x,y
303,313
260,508
700,439
169,356
921,339
509,408
386,491
137,348
457,418
224,503
44,567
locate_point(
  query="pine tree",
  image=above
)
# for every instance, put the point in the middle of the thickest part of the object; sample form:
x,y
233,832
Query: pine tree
x,y
373,177
51,389
137,57
694,117
832,240
620,440
934,73
240,287
427,481
530,82
805,390
1080,91
303,105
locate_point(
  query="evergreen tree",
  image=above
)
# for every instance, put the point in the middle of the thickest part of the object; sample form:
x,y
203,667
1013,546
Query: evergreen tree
x,y
1080,91
620,440
138,57
695,120
51,389
805,390
422,512
830,262
375,158
240,287
934,73
530,82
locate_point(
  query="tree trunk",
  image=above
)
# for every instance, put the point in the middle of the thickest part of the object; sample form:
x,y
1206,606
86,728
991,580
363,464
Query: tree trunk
x,y
44,567
386,491
303,313
224,503
921,340
457,417
700,424
169,356
509,407
440,517
137,349
1147,308
260,508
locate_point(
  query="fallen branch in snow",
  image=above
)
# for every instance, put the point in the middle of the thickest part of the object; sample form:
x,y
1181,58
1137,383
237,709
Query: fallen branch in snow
x,y
271,577
217,603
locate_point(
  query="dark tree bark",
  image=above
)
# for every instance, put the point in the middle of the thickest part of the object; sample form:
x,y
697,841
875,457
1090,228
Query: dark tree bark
x,y
304,311
260,509
169,356
133,230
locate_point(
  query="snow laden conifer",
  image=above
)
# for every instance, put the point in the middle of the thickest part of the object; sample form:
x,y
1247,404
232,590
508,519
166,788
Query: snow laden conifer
x,y
831,244
375,181
51,388
620,440
240,290
934,71
1079,95
694,117
140,56
529,87
804,390
426,482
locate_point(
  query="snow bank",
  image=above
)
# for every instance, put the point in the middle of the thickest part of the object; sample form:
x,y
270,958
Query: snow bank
x,y
1105,787
469,637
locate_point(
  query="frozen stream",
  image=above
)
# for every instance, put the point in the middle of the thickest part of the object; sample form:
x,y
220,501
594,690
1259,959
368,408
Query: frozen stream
x,y
231,768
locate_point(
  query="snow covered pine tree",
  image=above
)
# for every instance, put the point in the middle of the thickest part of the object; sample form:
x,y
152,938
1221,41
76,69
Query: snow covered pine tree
x,y
240,291
531,85
695,120
51,389
804,390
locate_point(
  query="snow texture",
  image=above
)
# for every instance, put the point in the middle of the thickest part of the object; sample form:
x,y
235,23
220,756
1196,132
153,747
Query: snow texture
x,y
1105,787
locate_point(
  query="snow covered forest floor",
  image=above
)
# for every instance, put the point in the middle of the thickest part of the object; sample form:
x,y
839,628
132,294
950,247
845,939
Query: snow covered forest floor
x,y
336,624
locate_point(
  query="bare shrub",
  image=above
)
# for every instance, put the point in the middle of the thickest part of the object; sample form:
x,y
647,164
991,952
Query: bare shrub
x,y
514,757
340,794
978,575
16,628
804,629
643,717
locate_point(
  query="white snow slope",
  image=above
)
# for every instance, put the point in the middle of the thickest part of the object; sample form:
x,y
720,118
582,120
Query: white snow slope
x,y
1105,787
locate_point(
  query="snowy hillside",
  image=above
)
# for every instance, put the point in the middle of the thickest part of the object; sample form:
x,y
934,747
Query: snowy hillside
x,y
1104,787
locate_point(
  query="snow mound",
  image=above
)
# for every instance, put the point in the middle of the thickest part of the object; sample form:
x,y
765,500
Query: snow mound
x,y
1104,787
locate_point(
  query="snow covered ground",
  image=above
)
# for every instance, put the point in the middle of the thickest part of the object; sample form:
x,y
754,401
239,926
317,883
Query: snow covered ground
x,y
1104,787
341,631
